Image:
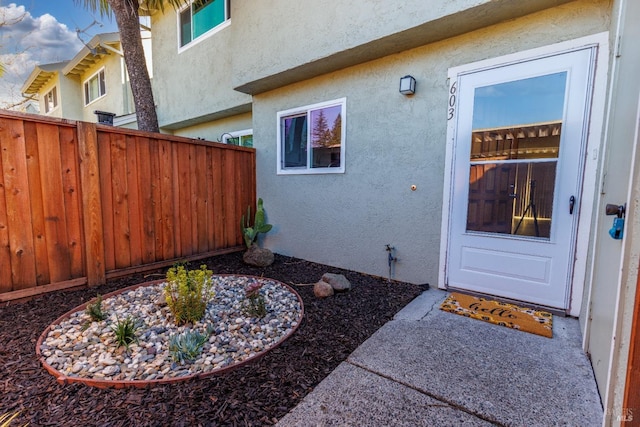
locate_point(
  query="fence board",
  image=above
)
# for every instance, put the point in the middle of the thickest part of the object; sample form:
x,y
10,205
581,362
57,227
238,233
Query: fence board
x,y
106,199
230,208
72,202
211,238
175,199
121,228
147,182
6,283
133,197
93,225
166,200
18,209
218,199
184,200
193,198
37,209
53,202
81,202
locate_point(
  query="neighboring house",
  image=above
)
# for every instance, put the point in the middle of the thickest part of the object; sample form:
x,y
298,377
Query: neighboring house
x,y
95,79
493,177
48,82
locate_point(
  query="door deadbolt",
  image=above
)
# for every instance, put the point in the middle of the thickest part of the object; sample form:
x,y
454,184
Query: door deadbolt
x,y
617,230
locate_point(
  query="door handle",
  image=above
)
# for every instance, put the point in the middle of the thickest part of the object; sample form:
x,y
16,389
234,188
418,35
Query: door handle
x,y
572,202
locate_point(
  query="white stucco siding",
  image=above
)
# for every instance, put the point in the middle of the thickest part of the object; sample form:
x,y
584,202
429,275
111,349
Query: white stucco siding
x,y
200,87
287,41
392,143
71,97
212,131
112,101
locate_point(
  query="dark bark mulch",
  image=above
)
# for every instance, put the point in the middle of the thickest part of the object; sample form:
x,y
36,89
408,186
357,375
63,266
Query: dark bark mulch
x,y
257,394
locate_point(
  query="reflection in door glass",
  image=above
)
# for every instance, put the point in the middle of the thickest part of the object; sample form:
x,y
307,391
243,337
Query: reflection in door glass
x,y
514,151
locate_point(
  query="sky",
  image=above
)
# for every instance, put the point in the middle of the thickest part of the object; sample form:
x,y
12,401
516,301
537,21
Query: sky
x,y
520,102
40,32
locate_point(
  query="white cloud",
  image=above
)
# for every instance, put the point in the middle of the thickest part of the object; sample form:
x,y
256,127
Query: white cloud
x,y
26,41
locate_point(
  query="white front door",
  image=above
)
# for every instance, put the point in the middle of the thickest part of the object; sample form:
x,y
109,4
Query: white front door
x,y
519,144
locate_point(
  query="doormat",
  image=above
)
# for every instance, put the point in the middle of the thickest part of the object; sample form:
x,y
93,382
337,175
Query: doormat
x,y
500,313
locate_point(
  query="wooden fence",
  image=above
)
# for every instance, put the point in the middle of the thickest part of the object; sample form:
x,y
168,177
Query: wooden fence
x,y
80,202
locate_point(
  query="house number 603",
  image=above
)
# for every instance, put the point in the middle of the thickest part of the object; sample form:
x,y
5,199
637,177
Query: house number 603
x,y
452,101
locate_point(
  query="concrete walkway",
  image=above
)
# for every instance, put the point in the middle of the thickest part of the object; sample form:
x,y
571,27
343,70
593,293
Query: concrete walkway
x,y
427,367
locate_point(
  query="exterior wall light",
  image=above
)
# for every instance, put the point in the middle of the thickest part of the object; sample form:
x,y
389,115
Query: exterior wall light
x,y
407,85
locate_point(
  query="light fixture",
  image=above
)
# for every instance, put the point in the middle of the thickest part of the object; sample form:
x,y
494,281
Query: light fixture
x,y
407,85
230,139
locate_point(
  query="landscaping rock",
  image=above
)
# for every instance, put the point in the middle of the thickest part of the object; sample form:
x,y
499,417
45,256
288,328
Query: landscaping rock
x,y
322,289
258,257
338,282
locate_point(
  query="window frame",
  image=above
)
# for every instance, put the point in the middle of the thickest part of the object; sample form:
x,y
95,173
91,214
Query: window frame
x,y
100,87
306,110
237,134
195,40
53,94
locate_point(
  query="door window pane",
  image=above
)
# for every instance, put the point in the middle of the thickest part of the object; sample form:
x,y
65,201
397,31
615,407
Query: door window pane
x,y
515,143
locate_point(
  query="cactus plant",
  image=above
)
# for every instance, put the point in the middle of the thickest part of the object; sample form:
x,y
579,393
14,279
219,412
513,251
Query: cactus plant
x,y
250,232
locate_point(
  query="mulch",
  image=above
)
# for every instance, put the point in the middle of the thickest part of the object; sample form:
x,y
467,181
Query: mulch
x,y
259,393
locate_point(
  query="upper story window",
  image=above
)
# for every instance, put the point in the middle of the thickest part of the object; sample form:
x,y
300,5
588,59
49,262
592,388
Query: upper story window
x,y
312,138
51,100
94,87
200,18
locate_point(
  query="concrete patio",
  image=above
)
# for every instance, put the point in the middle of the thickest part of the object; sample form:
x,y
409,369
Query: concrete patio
x,y
427,367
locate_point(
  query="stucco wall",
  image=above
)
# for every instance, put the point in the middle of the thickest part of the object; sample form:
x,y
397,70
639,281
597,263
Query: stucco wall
x,y
113,100
392,142
281,42
200,76
72,97
212,131
69,97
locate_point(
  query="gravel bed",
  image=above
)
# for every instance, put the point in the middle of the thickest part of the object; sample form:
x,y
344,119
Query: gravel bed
x,y
80,347
256,394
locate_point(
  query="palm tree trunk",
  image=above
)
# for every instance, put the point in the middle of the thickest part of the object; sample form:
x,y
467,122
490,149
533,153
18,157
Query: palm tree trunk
x,y
128,20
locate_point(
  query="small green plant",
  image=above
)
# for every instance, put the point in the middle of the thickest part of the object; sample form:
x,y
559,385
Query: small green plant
x,y
250,232
187,292
94,310
125,331
185,347
254,300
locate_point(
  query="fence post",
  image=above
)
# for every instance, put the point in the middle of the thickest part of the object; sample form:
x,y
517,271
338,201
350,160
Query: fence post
x,y
91,203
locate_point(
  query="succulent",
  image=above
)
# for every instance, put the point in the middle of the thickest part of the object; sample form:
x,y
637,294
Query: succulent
x,y
186,346
250,232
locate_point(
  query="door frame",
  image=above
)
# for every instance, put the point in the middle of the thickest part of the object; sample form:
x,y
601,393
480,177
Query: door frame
x,y
593,132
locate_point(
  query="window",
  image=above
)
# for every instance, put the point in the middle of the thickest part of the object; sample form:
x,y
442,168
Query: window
x,y
200,17
51,100
243,138
95,87
311,138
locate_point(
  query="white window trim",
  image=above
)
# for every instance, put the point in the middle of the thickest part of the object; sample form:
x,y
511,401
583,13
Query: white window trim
x,y
87,80
56,102
205,35
305,109
236,134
